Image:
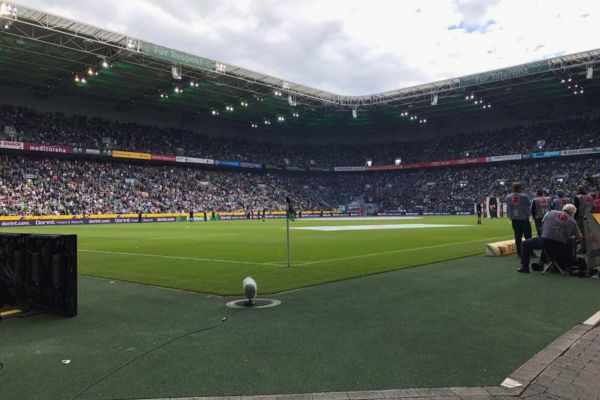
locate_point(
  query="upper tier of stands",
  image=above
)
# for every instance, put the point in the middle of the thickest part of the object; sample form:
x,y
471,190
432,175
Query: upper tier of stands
x,y
80,131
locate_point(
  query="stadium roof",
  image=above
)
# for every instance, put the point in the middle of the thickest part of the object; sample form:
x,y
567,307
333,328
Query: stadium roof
x,y
46,53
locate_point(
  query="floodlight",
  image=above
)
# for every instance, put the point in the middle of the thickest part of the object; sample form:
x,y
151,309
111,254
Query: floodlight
x,y
281,118
77,78
105,64
90,71
83,80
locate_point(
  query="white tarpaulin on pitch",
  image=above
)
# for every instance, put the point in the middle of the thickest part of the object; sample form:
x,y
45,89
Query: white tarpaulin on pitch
x,y
374,227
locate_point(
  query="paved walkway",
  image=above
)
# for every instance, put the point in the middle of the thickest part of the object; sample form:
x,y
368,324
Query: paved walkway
x,y
568,369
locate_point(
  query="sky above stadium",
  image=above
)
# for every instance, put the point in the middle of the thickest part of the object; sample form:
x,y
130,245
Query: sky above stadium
x,y
352,47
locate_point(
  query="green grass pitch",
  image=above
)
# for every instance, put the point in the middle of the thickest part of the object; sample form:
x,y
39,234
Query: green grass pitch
x,y
214,257
465,322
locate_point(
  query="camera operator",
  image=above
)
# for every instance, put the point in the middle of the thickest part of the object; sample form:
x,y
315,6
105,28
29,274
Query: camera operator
x,y
558,227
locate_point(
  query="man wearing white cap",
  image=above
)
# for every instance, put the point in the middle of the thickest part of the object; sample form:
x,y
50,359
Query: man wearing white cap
x,y
558,227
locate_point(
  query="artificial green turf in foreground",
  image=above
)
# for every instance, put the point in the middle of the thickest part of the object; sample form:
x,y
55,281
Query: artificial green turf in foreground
x,y
465,322
214,257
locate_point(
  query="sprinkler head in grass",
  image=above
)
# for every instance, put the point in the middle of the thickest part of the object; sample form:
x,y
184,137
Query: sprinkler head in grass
x,y
249,286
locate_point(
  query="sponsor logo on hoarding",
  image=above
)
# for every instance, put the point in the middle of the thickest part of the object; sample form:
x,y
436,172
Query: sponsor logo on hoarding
x,y
545,154
15,223
227,163
6,144
41,222
194,160
589,150
48,148
130,154
349,169
250,165
92,151
162,157
508,157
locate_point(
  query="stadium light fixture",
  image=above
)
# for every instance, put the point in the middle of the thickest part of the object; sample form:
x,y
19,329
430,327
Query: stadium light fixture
x,y
131,44
194,84
77,79
6,10
244,103
277,93
214,113
295,115
369,162
105,64
177,90
267,122
220,67
82,80
253,125
398,161
281,118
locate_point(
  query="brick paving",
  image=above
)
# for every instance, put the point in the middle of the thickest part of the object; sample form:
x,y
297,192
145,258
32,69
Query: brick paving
x,y
568,369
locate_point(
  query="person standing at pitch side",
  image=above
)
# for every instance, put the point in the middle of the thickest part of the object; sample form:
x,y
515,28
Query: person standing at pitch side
x,y
519,211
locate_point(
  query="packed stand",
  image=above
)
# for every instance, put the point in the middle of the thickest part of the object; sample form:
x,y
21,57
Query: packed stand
x,y
51,186
27,125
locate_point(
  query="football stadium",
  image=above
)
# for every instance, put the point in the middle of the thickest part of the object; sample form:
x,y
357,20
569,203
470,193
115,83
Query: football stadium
x,y
177,227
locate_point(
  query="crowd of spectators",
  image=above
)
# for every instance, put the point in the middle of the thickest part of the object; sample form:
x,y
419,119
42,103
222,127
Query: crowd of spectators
x,y
50,186
53,186
27,125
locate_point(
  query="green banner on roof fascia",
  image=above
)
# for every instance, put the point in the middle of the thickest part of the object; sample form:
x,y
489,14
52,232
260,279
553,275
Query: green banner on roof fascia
x,y
505,73
176,57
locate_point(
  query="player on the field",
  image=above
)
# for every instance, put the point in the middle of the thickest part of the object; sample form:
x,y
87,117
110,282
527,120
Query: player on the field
x,y
478,213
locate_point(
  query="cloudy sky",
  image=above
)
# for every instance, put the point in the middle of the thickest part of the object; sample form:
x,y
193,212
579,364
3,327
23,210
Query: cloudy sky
x,y
352,47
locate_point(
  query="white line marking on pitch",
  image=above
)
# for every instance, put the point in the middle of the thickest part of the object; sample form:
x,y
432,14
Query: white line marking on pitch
x,y
396,251
175,257
335,228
